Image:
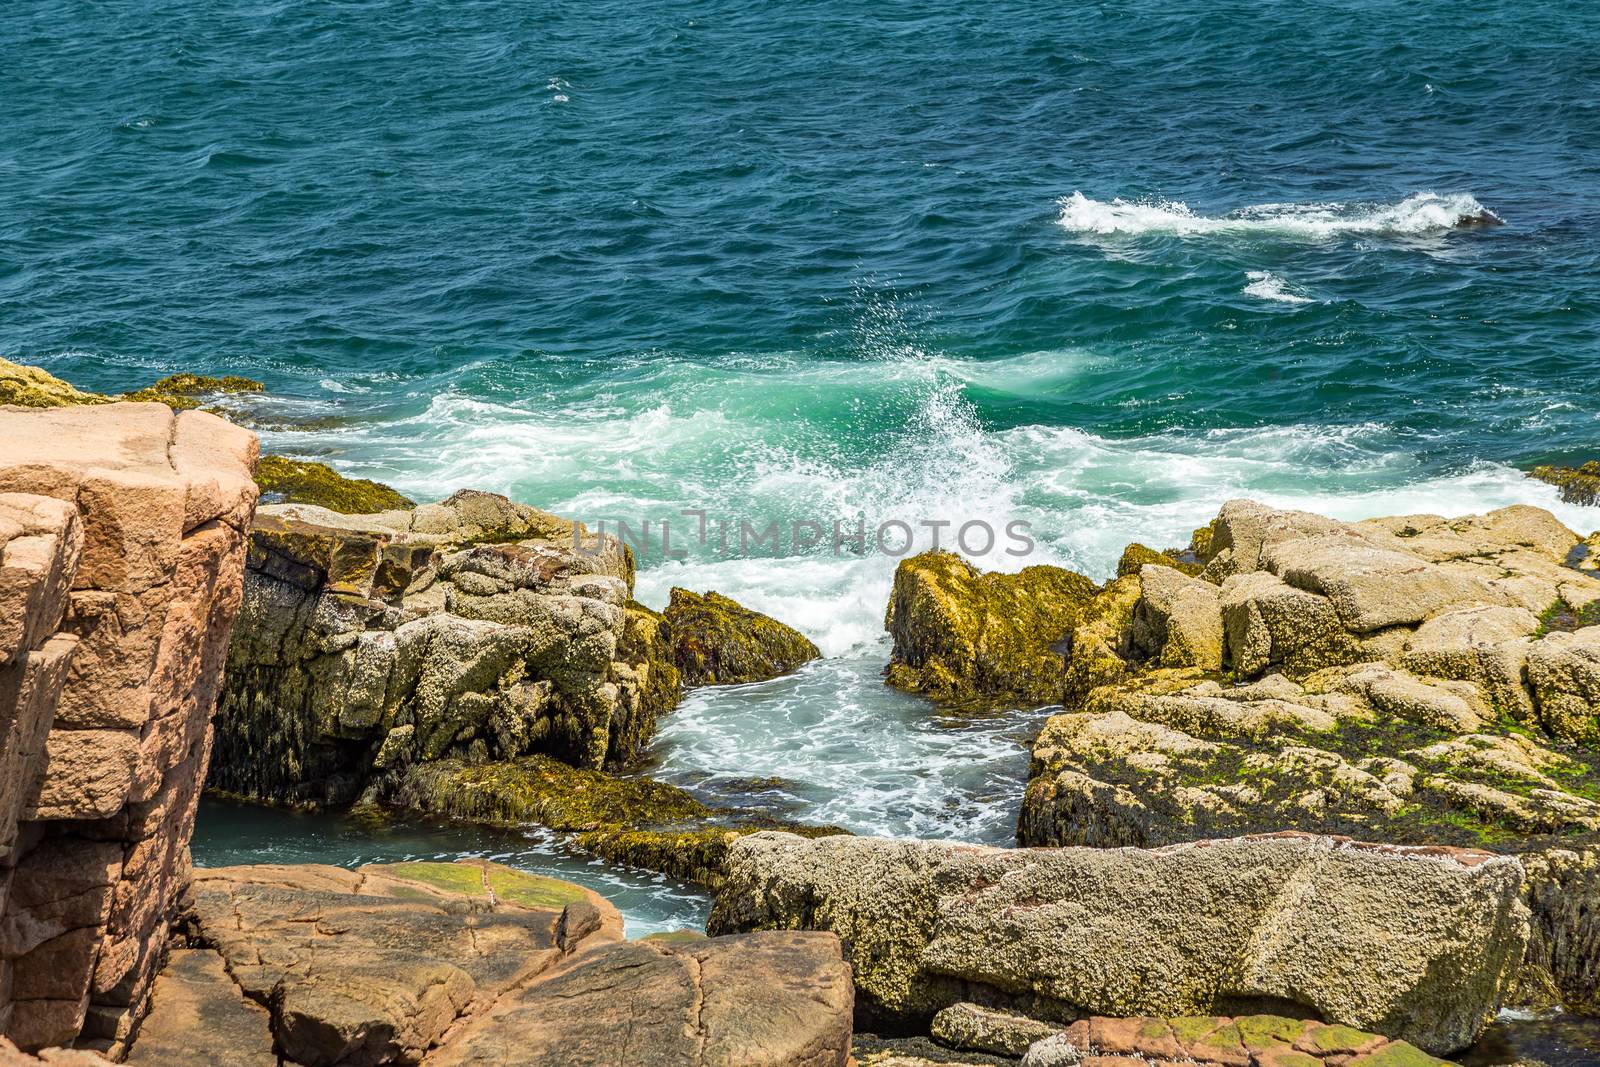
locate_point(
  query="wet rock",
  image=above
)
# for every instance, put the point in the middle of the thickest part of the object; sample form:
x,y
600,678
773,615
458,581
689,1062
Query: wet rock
x,y
717,641
1578,485
630,820
182,392
1418,944
298,481
982,640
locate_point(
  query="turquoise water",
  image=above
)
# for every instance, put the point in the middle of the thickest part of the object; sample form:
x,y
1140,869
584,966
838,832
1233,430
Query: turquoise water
x,y
1094,268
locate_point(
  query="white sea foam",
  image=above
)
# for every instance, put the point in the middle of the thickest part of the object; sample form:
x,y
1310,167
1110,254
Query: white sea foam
x,y
1420,213
1268,286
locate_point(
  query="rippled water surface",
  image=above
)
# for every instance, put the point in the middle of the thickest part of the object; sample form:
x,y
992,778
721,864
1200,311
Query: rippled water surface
x,y
1096,268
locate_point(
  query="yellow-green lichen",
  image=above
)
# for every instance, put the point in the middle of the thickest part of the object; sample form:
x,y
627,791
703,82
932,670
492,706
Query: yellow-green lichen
x,y
463,878
295,481
976,640
30,387
182,391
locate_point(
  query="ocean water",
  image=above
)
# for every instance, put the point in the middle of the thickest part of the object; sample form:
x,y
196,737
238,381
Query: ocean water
x,y
1095,269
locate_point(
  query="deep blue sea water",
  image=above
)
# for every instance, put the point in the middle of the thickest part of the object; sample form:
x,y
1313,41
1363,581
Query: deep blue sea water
x,y
1093,267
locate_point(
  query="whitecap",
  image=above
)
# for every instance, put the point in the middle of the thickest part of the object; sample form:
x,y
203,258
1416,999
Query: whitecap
x,y
1420,213
1268,286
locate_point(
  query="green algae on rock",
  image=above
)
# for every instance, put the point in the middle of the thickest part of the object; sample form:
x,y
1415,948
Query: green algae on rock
x,y
631,820
718,641
300,481
1578,485
183,391
975,640
644,657
30,387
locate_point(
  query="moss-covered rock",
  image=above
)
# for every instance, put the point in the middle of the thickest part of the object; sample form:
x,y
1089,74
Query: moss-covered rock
x,y
300,481
630,820
1137,555
30,387
184,391
1578,485
717,641
975,640
645,655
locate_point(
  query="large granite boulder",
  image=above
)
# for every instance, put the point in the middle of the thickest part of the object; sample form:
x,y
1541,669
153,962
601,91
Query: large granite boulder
x,y
122,543
1412,680
473,962
717,641
975,640
1413,943
475,628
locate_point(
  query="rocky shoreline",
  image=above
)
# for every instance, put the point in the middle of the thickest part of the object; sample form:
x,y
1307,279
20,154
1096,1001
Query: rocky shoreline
x,y
1317,792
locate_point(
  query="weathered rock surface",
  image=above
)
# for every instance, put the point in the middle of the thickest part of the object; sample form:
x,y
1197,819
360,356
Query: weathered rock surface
x,y
473,962
771,999
1417,944
122,539
717,641
1410,679
472,628
981,640
1247,1041
978,1029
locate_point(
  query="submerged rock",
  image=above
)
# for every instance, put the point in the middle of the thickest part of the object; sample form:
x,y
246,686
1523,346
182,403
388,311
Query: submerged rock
x,y
299,481
717,641
975,640
1578,485
634,821
1417,944
182,392
1411,679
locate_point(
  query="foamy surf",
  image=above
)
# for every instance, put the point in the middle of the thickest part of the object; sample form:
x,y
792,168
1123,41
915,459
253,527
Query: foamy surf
x,y
1268,286
1420,213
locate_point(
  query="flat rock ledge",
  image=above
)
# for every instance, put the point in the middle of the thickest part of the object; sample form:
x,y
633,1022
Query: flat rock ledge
x,y
474,963
1417,944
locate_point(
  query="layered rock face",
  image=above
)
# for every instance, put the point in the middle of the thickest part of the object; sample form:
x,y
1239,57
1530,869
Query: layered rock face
x,y
123,529
475,963
1414,943
472,628
1410,679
